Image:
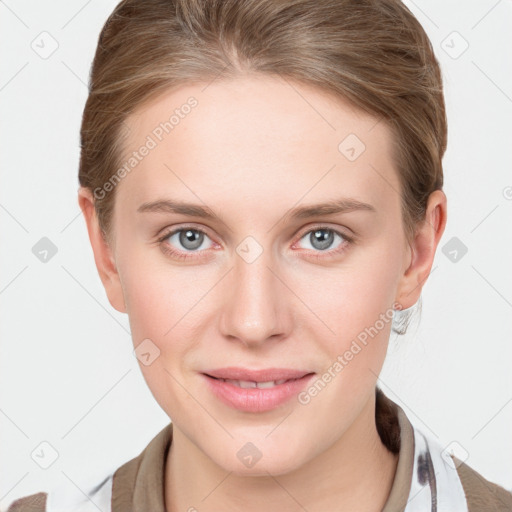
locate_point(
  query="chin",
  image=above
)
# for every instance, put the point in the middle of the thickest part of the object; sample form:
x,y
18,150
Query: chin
x,y
261,458
265,468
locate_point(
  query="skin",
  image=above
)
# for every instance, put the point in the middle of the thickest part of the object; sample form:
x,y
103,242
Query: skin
x,y
252,150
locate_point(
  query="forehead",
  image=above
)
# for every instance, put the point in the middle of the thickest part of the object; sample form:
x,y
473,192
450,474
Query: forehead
x,y
260,136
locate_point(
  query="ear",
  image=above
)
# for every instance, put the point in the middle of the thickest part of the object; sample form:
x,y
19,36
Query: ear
x,y
422,250
103,254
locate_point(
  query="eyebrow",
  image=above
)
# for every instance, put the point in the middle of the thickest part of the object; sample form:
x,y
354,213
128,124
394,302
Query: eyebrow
x,y
343,205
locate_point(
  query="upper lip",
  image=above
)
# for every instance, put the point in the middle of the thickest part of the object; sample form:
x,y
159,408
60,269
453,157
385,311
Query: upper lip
x,y
264,375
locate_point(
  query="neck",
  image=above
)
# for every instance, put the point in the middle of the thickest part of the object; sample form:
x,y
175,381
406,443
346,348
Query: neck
x,y
355,473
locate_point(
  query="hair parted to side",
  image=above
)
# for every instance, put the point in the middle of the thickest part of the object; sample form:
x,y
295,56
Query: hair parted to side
x,y
373,53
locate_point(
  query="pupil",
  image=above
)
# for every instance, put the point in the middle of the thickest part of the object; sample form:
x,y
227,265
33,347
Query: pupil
x,y
191,239
323,238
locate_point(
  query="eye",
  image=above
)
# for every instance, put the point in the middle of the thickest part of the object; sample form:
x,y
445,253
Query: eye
x,y
190,239
321,239
185,240
191,242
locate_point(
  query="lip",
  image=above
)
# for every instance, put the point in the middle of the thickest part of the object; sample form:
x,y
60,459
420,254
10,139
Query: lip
x,y
256,400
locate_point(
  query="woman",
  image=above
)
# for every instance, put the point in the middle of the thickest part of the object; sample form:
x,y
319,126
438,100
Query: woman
x,y
262,186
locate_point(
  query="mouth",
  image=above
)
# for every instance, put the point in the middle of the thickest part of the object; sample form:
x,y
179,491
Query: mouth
x,y
251,384
256,391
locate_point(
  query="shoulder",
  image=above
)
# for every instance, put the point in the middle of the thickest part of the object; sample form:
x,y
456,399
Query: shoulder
x,y
481,494
66,498
428,473
32,503
143,473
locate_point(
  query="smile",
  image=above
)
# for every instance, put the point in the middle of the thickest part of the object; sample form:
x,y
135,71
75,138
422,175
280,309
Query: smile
x,y
256,396
247,384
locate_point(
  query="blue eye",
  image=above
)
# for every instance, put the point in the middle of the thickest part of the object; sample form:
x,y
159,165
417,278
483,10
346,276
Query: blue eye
x,y
188,242
190,239
322,238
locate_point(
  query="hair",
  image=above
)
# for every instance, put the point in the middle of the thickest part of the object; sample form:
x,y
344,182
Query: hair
x,y
373,53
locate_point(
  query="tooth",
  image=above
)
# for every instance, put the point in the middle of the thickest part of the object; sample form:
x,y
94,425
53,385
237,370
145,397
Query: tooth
x,y
249,384
245,384
268,384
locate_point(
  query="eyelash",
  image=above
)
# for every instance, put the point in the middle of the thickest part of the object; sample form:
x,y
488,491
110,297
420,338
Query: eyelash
x,y
347,240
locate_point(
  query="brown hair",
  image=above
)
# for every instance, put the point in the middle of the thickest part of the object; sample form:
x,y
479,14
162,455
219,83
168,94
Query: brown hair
x,y
373,53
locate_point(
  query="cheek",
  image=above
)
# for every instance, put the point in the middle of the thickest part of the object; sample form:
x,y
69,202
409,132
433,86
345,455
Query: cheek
x,y
353,295
161,309
157,293
354,302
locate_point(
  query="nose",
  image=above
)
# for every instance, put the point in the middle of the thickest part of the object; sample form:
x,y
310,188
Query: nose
x,y
254,309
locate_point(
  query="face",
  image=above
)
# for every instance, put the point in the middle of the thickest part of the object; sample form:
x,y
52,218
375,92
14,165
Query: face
x,y
257,284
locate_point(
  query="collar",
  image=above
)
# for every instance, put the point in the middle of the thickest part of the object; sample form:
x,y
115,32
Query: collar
x,y
424,479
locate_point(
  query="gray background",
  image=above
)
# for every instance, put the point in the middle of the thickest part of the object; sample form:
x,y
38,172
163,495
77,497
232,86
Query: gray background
x,y
68,376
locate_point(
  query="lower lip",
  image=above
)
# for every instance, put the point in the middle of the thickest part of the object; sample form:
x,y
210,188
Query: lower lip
x,y
255,399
